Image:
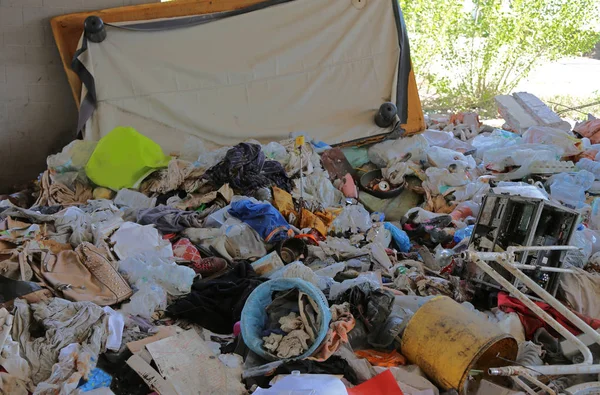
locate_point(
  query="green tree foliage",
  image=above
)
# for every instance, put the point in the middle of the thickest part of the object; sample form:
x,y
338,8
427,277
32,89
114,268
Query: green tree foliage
x,y
464,53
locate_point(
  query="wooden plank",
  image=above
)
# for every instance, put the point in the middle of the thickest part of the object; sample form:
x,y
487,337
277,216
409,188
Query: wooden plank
x,y
67,29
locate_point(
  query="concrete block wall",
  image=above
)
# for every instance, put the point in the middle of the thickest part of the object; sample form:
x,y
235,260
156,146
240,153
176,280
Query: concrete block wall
x,y
38,115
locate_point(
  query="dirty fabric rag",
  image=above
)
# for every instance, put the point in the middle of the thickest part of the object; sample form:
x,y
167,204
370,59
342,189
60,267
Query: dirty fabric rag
x,y
246,169
168,219
64,323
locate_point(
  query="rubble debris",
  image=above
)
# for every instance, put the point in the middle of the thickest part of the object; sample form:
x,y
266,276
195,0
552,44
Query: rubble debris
x,y
217,265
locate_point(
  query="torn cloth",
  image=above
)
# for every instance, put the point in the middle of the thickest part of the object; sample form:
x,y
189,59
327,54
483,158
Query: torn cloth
x,y
342,322
64,323
531,322
55,193
263,218
582,291
246,169
168,219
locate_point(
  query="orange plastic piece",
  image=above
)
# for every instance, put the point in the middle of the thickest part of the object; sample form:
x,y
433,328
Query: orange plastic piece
x,y
382,358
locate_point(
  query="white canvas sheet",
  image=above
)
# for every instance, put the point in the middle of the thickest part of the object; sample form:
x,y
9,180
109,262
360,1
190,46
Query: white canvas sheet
x,y
321,67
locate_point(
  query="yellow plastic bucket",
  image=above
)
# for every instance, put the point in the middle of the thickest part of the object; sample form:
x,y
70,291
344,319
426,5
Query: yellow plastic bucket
x,y
447,340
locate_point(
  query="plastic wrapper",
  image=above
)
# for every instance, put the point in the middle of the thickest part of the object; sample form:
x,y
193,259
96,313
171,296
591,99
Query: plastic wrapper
x,y
472,192
276,151
147,298
521,189
131,239
340,247
463,233
318,188
444,157
400,237
522,155
396,172
354,219
208,159
438,180
385,153
339,288
78,223
591,166
569,189
331,270
497,139
380,235
176,279
554,137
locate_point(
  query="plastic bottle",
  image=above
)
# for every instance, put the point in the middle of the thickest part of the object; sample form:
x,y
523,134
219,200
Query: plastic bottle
x,y
591,166
463,233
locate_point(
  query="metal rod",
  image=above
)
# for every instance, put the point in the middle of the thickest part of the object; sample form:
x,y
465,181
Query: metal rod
x,y
534,308
548,370
513,249
542,268
542,293
537,382
521,384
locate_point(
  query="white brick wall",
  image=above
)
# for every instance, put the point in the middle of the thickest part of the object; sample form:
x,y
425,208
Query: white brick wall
x,y
37,112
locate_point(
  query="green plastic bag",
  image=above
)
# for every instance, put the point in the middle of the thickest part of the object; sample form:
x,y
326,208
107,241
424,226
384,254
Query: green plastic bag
x,y
123,158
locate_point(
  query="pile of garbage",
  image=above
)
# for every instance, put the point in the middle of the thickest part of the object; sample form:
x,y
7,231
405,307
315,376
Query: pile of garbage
x,y
464,259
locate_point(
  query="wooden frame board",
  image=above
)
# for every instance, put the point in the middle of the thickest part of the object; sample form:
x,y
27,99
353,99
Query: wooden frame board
x,y
67,29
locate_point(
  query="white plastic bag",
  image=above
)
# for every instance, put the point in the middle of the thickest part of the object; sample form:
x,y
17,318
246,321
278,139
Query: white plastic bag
x,y
148,298
318,188
353,218
73,157
276,151
497,139
443,157
147,266
131,239
555,137
521,189
73,219
369,277
385,153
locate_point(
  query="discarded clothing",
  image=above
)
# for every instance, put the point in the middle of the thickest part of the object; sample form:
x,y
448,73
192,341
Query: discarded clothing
x,y
246,169
342,322
582,291
74,363
168,219
263,218
217,304
14,370
55,193
531,322
373,308
167,180
64,323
